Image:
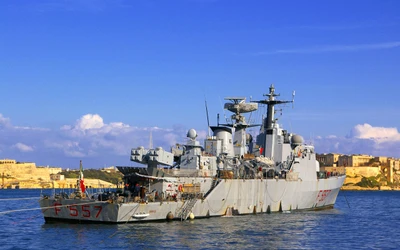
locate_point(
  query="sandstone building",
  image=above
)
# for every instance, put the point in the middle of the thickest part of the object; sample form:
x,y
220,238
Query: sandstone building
x,y
27,175
358,166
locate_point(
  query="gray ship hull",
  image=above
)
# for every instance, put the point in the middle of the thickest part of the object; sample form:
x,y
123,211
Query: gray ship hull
x,y
229,197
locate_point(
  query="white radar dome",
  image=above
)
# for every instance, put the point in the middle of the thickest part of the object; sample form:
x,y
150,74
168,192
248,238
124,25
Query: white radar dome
x,y
296,140
192,134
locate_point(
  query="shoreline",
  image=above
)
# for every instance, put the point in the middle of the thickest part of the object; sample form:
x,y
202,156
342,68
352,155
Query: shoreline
x,y
358,188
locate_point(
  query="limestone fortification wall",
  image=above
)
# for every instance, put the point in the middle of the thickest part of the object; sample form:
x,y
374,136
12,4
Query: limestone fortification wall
x,y
354,174
354,171
333,169
362,171
25,171
27,175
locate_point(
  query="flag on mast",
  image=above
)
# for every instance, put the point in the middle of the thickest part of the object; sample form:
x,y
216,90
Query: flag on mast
x,y
81,181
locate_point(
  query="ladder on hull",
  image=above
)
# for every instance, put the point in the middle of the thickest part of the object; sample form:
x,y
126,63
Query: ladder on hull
x,y
187,208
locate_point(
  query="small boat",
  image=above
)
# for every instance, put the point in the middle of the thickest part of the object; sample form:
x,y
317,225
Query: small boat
x,y
140,215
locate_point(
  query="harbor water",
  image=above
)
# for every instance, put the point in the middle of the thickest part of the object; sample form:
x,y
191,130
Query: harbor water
x,y
359,220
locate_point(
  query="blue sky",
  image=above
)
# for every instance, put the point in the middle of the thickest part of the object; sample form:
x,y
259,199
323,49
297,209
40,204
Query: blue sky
x,y
88,79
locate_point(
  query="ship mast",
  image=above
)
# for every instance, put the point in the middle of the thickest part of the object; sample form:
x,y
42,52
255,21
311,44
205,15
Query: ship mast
x,y
270,102
268,132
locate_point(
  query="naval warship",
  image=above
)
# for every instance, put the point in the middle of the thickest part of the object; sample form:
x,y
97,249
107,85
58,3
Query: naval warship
x,y
230,174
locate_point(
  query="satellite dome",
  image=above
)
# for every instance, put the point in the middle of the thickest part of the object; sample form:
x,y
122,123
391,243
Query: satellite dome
x,y
192,134
296,140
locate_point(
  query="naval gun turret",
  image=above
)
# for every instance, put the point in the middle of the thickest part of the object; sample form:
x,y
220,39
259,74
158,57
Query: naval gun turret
x,y
152,157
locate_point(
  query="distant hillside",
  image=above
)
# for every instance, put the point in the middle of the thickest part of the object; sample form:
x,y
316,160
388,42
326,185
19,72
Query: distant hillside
x,y
95,174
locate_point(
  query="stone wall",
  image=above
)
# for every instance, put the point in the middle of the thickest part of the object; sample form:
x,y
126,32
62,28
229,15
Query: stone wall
x,y
354,171
362,171
25,172
27,175
354,174
333,169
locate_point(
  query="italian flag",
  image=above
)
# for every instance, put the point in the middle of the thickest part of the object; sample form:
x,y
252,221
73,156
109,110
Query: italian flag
x,y
81,181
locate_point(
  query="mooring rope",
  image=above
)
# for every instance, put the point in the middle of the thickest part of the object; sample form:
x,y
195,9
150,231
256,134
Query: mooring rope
x,y
45,208
19,210
16,199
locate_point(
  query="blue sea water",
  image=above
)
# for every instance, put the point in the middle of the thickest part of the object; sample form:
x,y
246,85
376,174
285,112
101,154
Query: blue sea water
x,y
360,220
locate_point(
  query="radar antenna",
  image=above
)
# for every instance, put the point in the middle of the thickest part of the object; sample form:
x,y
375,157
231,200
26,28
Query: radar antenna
x,y
238,106
271,102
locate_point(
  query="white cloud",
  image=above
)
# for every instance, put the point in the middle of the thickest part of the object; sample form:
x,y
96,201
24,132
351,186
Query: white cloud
x,y
201,135
366,131
31,128
74,153
333,48
22,147
363,139
4,121
89,121
90,136
171,138
93,124
99,143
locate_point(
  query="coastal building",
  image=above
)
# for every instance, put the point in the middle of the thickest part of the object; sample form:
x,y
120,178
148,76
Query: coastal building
x,y
8,161
24,173
16,174
389,168
57,177
394,163
355,160
330,159
111,169
382,160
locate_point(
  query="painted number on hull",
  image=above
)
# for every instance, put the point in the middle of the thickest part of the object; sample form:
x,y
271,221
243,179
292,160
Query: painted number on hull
x,y
322,195
74,212
99,208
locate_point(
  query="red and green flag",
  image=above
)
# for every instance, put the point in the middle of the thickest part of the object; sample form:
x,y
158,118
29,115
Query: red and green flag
x,y
81,180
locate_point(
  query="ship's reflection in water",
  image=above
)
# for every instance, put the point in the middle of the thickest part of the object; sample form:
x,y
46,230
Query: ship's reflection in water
x,y
277,231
